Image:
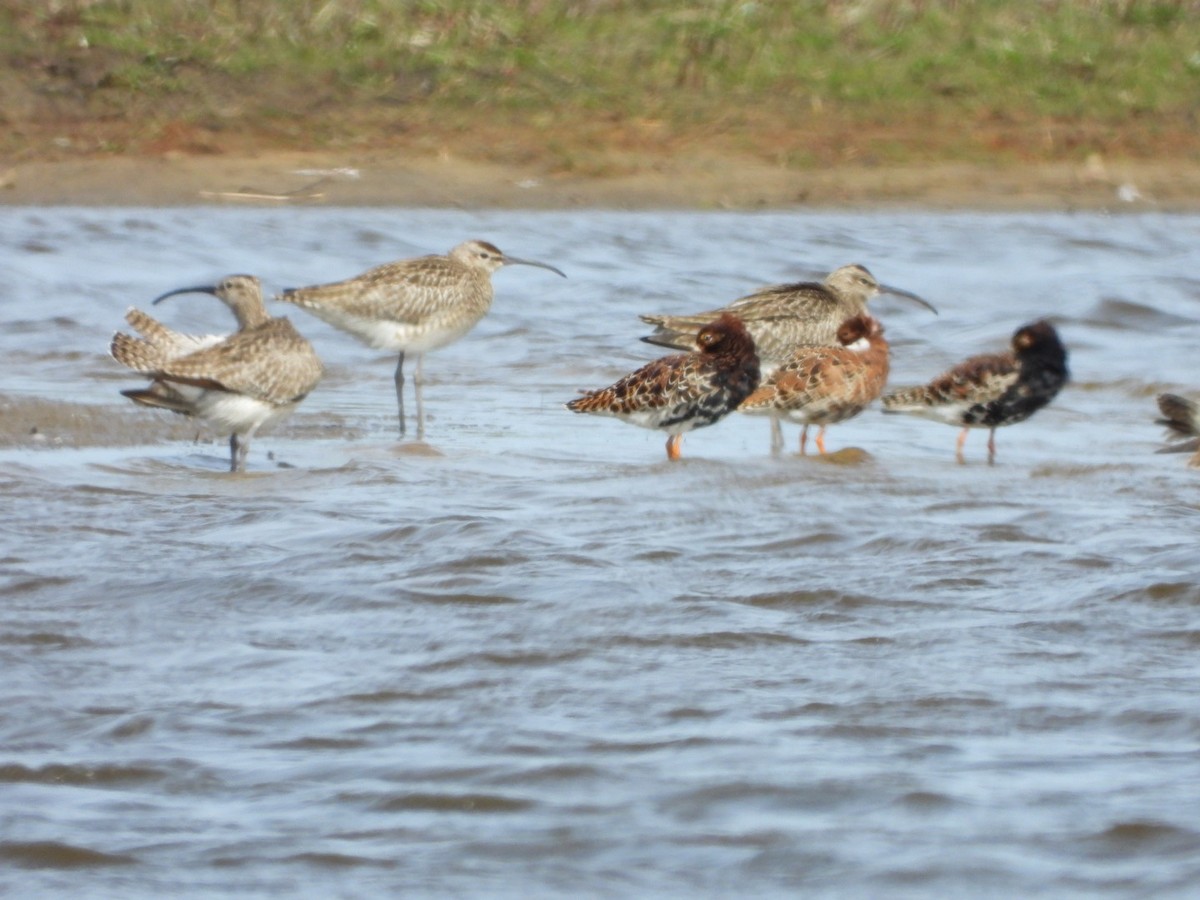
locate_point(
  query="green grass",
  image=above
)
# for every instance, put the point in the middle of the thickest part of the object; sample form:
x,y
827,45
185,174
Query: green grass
x,y
1102,62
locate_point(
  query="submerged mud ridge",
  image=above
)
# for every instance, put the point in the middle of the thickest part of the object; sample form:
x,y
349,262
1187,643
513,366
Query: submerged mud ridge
x,y
40,423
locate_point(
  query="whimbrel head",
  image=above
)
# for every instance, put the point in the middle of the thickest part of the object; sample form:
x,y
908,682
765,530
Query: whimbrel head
x,y
241,293
489,258
856,283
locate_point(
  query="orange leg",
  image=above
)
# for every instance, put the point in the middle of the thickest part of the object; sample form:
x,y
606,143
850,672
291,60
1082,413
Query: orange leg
x,y
673,443
821,440
992,445
803,439
962,439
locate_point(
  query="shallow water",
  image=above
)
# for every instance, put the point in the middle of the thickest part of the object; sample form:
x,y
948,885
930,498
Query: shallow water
x,y
531,656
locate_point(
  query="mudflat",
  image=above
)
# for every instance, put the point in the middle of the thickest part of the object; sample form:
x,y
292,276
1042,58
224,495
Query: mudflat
x,y
680,181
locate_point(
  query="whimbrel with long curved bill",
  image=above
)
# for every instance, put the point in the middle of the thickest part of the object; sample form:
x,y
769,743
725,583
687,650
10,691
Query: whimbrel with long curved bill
x,y
413,306
781,317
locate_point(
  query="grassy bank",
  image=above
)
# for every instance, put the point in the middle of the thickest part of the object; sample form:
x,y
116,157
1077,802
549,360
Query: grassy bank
x,y
573,83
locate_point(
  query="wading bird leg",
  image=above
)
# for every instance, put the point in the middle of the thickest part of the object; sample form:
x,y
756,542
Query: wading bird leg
x,y
776,436
400,391
673,442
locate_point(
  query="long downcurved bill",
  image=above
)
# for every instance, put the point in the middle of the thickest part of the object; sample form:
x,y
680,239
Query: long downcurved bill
x,y
201,289
897,292
517,261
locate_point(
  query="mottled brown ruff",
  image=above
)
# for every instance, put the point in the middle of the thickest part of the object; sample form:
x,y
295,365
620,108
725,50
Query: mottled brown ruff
x,y
239,383
825,385
679,393
782,317
992,390
1182,417
413,306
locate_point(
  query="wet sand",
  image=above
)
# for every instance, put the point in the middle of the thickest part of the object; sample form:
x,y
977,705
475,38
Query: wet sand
x,y
698,182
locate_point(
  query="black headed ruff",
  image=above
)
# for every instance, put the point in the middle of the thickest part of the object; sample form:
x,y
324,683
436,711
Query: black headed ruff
x,y
992,390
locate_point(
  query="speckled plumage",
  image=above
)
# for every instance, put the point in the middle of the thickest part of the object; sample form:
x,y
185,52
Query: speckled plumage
x,y
992,390
679,393
1182,417
825,385
239,383
782,317
413,306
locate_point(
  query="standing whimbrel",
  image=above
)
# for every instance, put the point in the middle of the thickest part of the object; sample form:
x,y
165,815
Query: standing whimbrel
x,y
993,389
1182,417
239,383
679,393
782,317
414,305
825,385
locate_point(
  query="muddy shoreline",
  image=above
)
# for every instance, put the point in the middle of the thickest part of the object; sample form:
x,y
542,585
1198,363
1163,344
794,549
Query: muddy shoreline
x,y
696,182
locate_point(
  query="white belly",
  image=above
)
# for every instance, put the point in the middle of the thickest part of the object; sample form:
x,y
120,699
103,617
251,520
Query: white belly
x,y
232,413
385,334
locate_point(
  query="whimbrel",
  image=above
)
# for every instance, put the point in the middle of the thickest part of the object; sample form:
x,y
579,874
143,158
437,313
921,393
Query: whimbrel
x,y
1182,417
992,390
782,317
239,383
413,306
826,385
685,391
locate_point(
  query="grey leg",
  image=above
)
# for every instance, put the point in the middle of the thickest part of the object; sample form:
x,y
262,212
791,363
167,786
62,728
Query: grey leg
x,y
400,391
237,453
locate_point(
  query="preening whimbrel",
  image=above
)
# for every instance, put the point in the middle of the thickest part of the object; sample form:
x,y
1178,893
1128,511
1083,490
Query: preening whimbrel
x,y
239,383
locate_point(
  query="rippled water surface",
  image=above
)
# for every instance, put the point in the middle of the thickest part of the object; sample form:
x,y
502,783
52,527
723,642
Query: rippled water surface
x,y
530,656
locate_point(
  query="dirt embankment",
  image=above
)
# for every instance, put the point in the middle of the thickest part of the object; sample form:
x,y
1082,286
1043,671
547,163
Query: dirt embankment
x,y
59,149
